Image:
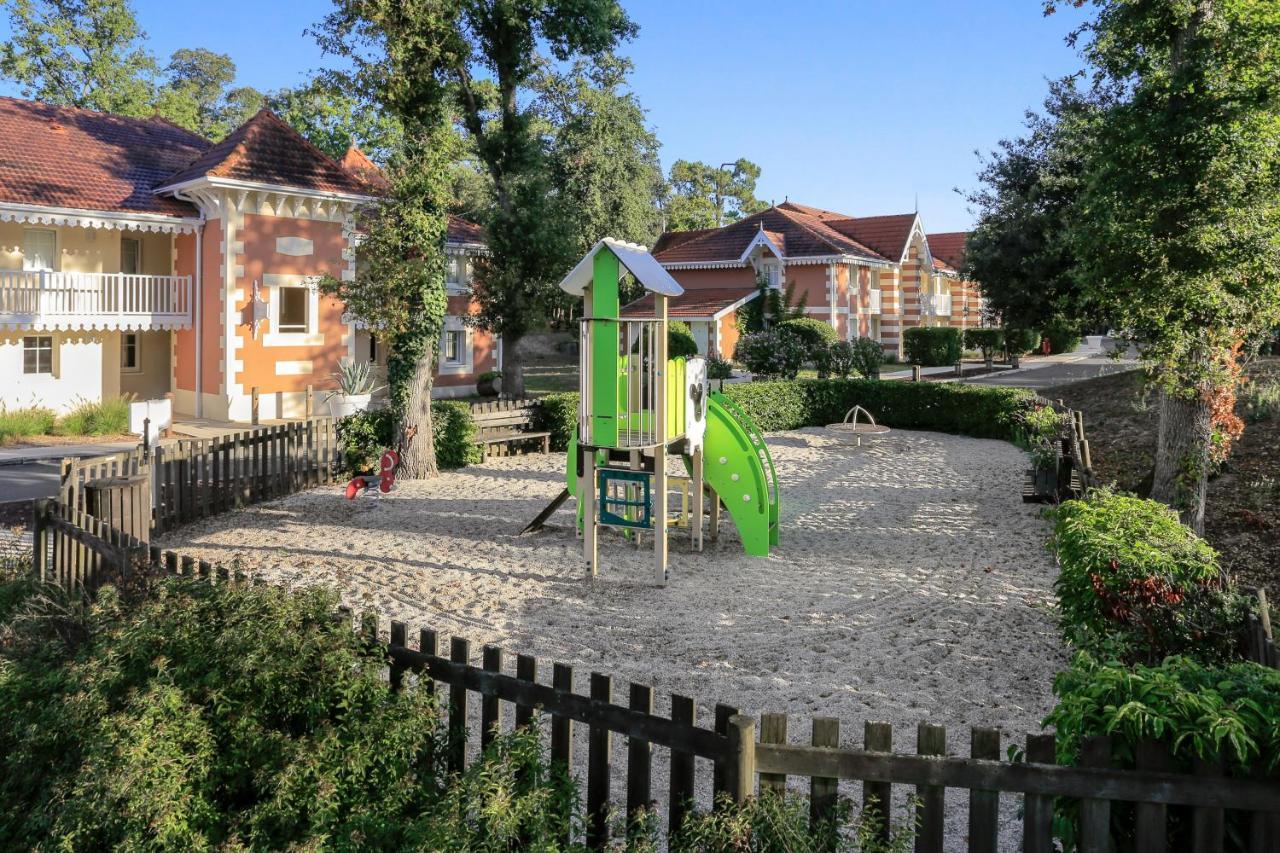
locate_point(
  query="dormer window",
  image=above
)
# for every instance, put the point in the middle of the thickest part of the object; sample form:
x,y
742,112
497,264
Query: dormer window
x,y
771,273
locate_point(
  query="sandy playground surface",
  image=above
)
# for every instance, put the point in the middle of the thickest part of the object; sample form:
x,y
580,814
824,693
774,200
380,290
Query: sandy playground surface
x,y
911,584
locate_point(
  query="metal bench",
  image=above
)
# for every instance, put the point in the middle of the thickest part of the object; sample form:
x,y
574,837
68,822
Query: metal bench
x,y
505,424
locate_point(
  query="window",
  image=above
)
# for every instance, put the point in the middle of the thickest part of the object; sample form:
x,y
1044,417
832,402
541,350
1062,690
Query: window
x,y
373,350
457,272
455,346
129,352
37,355
770,273
130,255
38,248
293,309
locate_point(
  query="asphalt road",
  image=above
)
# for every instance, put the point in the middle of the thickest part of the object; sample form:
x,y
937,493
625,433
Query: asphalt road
x,y
29,480
1059,374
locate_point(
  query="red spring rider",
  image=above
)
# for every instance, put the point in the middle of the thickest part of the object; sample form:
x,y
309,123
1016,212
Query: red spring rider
x,y
385,480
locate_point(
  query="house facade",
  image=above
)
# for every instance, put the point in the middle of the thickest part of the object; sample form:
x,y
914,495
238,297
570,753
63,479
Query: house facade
x,y
138,258
868,277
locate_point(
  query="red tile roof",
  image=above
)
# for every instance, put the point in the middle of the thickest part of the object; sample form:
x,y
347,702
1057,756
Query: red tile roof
x,y
266,150
67,157
797,232
888,235
948,247
366,171
464,231
694,303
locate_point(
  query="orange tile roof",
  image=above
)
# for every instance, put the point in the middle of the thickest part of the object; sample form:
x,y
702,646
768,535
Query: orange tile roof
x,y
366,171
797,231
266,150
464,231
948,247
888,235
66,157
703,302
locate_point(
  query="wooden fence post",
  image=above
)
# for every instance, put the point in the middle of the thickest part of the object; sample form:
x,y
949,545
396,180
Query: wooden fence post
x,y
1037,811
823,792
740,771
599,767
930,740
876,796
40,538
984,806
680,796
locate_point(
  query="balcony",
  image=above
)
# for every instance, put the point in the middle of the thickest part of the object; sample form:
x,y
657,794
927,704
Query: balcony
x,y
48,300
876,303
935,304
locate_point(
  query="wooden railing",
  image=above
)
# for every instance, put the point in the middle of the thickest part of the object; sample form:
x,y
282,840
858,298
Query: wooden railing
x,y
49,299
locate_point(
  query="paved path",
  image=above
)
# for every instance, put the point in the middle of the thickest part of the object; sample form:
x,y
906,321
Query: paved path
x,y
1048,375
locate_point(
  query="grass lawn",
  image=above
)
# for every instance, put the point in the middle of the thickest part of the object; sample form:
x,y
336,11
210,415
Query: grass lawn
x,y
1243,511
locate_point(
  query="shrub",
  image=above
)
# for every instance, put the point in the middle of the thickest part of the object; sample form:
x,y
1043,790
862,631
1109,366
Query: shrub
x,y
558,415
365,435
17,424
932,346
234,716
1063,335
454,433
815,335
1261,401
680,340
1021,341
986,341
861,357
96,417
1137,584
719,368
1041,428
770,354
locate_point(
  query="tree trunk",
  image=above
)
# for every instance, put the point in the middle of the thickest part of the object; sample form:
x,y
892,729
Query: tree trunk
x,y
1181,472
419,458
512,367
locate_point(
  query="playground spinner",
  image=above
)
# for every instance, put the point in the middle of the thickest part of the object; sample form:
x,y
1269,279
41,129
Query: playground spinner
x,y
637,406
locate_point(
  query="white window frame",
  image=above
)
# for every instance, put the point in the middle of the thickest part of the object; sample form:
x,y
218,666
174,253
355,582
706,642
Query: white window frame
x,y
136,367
461,282
53,249
311,336
53,355
455,325
772,271
137,256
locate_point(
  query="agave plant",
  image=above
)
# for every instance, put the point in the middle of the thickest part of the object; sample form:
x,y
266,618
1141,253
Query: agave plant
x,y
355,378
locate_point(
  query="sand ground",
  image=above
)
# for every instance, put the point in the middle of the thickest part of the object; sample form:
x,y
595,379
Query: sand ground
x,y
911,585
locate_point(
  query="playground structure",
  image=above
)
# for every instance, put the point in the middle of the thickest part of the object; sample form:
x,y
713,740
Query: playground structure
x,y
637,406
388,465
852,430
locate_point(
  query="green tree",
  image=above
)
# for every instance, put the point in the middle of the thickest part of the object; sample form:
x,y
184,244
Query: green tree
x,y
706,196
434,52
1178,227
197,93
332,118
1019,250
81,53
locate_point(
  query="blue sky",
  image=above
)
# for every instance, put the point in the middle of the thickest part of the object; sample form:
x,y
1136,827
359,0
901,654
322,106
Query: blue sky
x,y
860,106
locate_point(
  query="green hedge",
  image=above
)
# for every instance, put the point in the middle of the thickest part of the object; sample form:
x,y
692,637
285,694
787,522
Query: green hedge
x,y
986,341
680,340
558,414
1021,341
365,435
455,434
1063,335
932,346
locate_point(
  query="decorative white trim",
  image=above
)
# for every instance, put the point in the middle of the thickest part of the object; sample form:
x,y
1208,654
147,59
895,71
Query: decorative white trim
x,y
810,259
312,336
762,239
809,309
37,214
301,367
244,187
295,246
735,306
454,323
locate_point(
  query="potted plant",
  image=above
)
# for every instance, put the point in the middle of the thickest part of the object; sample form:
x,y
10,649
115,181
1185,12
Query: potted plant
x,y
355,388
489,383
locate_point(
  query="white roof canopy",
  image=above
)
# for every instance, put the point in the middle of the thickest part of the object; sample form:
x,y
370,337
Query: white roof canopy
x,y
634,258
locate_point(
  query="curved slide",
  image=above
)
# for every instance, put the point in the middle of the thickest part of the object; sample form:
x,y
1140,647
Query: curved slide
x,y
737,464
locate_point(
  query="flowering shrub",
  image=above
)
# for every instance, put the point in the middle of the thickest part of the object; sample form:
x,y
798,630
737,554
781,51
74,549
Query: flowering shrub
x,y
771,354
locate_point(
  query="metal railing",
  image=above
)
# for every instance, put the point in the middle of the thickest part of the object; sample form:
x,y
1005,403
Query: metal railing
x,y
99,300
635,420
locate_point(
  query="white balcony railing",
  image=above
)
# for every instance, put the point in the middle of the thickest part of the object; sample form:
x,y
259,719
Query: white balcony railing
x,y
44,299
935,304
876,304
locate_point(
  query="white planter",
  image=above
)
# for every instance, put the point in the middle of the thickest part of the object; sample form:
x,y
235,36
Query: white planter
x,y
341,405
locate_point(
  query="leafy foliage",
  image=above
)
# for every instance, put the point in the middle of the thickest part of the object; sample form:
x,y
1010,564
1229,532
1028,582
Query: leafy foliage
x,y
454,431
706,196
986,341
769,354
198,93
1063,335
814,335
771,306
931,346
680,340
1041,429
332,119
363,437
1019,341
719,368
1137,583
234,717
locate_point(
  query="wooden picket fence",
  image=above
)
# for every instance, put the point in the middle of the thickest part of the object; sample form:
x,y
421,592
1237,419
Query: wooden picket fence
x,y
745,757
200,477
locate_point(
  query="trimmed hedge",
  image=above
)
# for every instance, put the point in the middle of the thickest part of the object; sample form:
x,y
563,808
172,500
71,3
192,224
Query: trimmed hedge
x,y
973,410
932,346
455,434
816,335
1021,341
986,341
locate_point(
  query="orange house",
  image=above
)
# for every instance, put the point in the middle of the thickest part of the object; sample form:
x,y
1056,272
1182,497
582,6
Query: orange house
x,y
139,258
867,276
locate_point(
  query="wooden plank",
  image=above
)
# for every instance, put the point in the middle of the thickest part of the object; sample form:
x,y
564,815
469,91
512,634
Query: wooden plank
x,y
399,637
429,643
459,652
823,790
1151,820
876,794
680,794
599,767
1208,826
719,783
1037,811
490,712
930,740
984,806
1095,814
639,762
773,729
740,770
526,670
562,724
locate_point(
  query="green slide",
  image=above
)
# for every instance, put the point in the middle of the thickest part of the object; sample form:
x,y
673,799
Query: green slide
x,y
737,464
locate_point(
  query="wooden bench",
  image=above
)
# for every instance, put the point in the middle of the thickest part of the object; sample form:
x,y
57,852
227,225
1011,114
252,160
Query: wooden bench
x,y
505,424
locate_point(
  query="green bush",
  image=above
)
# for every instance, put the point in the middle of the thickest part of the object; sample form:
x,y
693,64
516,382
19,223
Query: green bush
x,y
1260,401
1137,584
932,346
1040,433
680,340
986,341
1021,341
365,435
17,424
859,357
558,415
770,354
816,336
96,417
1063,335
719,368
239,717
